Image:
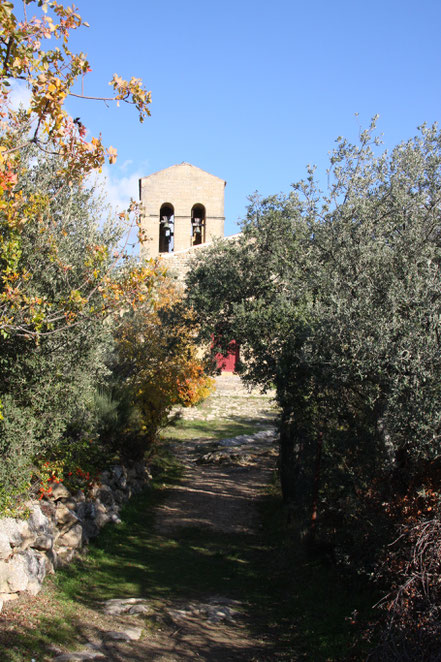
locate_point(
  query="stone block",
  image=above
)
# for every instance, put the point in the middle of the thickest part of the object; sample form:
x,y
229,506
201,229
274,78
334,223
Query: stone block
x,y
59,491
4,569
65,516
44,542
17,532
71,538
102,519
5,547
105,495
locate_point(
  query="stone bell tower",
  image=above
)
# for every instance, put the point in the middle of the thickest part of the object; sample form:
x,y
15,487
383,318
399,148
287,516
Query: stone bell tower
x,y
182,206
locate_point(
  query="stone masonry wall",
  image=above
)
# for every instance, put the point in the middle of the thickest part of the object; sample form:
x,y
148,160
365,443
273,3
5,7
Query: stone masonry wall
x,y
58,527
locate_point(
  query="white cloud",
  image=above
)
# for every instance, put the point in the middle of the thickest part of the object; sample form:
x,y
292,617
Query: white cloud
x,y
120,190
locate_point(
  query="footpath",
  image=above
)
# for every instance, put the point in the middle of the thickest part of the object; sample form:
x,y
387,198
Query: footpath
x,y
196,567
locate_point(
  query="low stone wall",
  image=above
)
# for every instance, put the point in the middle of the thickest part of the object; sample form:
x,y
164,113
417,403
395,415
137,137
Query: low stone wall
x,y
58,527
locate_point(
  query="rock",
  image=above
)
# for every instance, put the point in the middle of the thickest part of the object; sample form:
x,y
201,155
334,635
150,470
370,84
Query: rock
x,y
64,556
49,510
217,610
16,576
70,503
141,610
99,507
120,496
86,511
92,492
115,519
17,532
119,476
90,530
105,478
65,516
80,496
218,614
44,542
113,635
105,496
5,547
72,538
4,587
80,657
8,597
51,561
38,521
129,634
225,457
25,571
36,571
101,519
134,633
228,443
117,606
59,491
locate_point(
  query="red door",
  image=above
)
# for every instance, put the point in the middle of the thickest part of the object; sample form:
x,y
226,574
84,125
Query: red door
x,y
228,363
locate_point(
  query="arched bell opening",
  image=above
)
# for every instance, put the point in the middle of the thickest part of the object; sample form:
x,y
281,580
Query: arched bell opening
x,y
166,228
197,225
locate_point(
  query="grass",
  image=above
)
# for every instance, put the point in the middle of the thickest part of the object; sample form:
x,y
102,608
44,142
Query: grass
x,y
216,429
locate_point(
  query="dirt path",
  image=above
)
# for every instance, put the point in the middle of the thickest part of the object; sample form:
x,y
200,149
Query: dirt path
x,y
219,492
197,573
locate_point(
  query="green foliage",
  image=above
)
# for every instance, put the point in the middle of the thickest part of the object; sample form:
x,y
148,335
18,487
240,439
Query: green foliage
x,y
335,298
98,389
48,387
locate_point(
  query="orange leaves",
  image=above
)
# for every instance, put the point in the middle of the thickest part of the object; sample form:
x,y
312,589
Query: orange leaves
x,y
132,92
157,349
52,74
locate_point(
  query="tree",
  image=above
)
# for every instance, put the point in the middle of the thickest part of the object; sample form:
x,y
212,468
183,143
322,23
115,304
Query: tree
x,y
51,75
335,298
62,275
156,366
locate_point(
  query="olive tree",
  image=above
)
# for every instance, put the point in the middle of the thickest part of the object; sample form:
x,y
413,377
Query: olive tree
x,y
335,298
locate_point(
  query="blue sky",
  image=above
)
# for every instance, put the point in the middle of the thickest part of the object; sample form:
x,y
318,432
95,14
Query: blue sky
x,y
252,91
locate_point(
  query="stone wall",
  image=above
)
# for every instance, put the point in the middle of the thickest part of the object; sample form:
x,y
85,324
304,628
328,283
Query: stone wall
x,y
59,526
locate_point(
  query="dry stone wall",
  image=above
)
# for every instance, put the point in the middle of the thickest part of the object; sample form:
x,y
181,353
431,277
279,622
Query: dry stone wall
x,y
59,527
